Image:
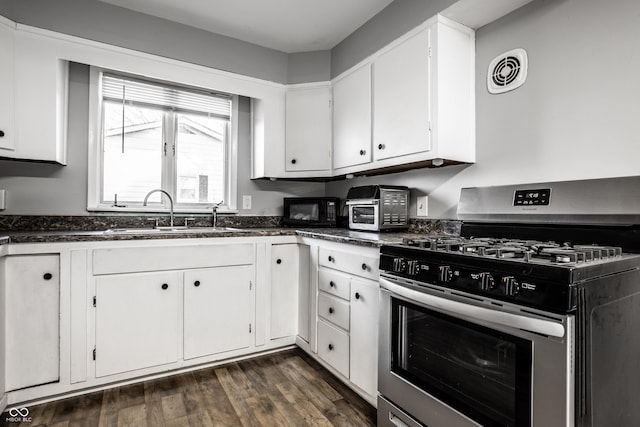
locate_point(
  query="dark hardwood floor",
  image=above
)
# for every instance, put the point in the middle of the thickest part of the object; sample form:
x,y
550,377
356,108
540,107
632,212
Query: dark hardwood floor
x,y
284,389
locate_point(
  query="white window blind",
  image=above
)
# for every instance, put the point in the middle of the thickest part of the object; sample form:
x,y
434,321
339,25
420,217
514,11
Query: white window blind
x,y
149,94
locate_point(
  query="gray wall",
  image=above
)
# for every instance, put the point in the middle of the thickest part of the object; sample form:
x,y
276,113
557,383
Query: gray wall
x,y
577,116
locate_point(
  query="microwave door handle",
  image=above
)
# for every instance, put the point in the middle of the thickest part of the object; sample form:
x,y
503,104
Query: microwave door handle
x,y
539,326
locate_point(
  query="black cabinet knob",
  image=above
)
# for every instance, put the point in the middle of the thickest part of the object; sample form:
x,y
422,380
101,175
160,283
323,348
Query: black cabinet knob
x,y
330,310
364,266
165,286
330,258
330,347
196,283
357,295
293,161
47,276
278,261
1,133
380,146
363,152
331,284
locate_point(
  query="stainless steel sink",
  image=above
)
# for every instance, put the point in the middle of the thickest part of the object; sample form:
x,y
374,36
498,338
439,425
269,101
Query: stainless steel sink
x,y
172,230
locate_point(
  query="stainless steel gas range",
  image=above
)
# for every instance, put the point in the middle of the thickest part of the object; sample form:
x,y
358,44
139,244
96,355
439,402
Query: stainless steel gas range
x,y
530,318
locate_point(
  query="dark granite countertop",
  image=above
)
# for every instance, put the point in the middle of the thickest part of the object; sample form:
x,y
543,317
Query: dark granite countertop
x,y
363,238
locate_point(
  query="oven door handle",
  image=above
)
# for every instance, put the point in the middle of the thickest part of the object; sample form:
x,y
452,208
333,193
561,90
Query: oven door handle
x,y
540,326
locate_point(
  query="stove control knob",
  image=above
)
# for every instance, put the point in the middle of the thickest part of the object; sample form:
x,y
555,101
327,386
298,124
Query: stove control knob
x,y
486,281
413,267
511,286
399,265
445,274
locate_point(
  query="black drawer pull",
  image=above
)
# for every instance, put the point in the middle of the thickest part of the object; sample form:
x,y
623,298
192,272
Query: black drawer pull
x,y
380,146
47,276
330,258
293,161
196,283
1,133
364,266
357,295
330,310
165,286
278,261
332,284
362,152
330,347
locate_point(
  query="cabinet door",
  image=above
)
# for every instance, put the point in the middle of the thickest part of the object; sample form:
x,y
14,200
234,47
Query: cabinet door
x,y
136,321
365,302
32,316
284,290
352,119
308,129
217,310
401,94
7,107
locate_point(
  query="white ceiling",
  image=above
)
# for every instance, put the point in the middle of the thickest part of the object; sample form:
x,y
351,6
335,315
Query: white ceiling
x,y
285,25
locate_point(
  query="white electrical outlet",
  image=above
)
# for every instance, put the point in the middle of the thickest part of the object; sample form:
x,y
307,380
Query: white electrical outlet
x,y
422,205
246,202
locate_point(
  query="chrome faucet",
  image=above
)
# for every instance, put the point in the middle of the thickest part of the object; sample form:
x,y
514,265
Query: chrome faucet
x,y
170,202
214,212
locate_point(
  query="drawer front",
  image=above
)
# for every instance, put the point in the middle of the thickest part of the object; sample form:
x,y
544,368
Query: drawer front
x,y
353,263
132,260
334,310
334,283
333,347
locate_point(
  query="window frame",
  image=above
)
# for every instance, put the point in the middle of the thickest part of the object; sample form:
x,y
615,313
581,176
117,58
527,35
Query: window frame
x,y
169,177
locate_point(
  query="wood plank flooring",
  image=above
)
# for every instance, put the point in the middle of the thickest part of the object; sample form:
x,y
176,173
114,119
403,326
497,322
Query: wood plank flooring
x,y
284,389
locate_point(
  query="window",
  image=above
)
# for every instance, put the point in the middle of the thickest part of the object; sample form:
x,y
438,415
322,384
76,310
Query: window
x,y
153,135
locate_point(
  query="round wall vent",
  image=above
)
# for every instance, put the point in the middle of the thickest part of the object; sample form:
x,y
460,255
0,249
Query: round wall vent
x,y
507,71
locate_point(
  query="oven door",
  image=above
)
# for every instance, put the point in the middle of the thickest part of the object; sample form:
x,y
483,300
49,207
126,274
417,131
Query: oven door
x,y
364,215
447,360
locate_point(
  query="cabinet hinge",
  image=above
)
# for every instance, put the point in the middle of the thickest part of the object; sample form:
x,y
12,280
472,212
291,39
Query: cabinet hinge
x,y
94,353
94,301
429,51
249,327
250,284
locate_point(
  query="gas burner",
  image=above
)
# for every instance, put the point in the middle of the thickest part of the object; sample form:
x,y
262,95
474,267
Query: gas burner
x,y
525,250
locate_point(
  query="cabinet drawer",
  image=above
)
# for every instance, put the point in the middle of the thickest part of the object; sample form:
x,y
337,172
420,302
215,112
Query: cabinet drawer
x,y
333,347
334,283
132,260
349,262
334,310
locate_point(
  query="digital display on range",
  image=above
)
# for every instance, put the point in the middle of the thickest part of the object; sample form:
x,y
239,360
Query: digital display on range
x,y
532,197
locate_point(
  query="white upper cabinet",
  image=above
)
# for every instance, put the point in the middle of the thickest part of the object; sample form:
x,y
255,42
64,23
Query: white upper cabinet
x,y
352,119
423,97
34,84
7,125
401,99
308,129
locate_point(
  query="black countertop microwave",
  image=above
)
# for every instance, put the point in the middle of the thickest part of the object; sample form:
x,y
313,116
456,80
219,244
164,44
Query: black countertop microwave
x,y
311,211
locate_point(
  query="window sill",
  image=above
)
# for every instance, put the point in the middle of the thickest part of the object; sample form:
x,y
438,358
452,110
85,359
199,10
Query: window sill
x,y
151,210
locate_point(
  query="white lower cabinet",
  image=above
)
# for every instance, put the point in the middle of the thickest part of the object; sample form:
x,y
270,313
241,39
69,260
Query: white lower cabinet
x,y
365,304
217,310
347,308
32,320
136,321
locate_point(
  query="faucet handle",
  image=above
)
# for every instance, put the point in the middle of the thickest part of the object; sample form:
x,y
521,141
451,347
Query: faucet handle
x,y
155,221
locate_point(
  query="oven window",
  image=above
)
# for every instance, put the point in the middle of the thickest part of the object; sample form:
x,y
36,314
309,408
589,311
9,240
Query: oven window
x,y
483,373
364,215
305,212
